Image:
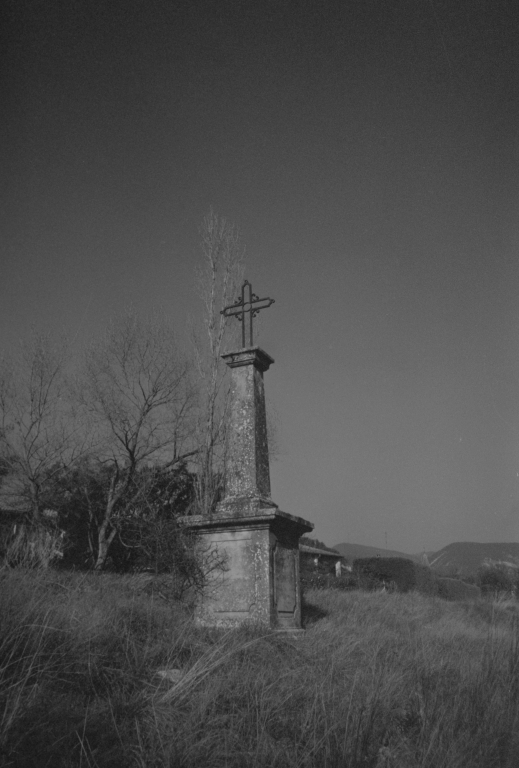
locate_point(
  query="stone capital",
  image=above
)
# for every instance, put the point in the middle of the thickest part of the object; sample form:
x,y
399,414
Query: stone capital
x,y
250,356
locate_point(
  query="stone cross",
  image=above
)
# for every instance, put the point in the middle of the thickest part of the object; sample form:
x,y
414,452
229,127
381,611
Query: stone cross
x,y
245,309
257,543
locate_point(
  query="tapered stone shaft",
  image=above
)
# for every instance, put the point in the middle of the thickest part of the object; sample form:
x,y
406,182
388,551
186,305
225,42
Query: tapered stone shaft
x,y
247,474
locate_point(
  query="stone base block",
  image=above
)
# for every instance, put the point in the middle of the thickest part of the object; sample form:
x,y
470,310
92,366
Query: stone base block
x,y
259,577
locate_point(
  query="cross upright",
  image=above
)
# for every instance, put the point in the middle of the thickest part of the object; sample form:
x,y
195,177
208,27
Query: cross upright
x,y
245,309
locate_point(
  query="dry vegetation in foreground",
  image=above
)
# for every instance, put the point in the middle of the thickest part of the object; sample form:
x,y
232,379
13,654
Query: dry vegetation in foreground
x,y
380,680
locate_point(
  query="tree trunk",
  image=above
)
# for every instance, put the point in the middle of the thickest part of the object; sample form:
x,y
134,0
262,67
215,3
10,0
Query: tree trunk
x,y
103,546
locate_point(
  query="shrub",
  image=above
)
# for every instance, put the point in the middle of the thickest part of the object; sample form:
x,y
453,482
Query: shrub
x,y
454,589
402,575
316,580
496,579
392,572
425,580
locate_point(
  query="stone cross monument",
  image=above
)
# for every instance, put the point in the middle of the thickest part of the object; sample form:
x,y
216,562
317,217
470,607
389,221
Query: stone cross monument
x,y
259,543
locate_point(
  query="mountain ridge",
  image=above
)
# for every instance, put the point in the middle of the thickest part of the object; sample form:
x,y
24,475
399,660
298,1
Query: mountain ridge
x,y
354,551
461,558
465,557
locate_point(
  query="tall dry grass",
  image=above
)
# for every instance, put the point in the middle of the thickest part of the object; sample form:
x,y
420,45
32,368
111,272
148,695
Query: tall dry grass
x,y
381,680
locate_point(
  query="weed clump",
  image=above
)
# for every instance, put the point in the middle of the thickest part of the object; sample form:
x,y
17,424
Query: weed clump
x,y
96,671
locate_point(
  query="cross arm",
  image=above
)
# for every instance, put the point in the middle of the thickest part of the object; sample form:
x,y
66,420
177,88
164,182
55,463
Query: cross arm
x,y
238,308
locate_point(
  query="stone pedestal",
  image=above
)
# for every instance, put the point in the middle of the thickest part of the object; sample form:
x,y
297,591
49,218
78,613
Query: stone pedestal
x,y
259,578
257,543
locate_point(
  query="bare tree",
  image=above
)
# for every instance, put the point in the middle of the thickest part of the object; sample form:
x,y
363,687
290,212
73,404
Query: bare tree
x,y
38,435
139,399
218,281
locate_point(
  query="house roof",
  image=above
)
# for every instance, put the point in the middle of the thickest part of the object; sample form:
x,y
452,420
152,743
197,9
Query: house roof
x,y
321,552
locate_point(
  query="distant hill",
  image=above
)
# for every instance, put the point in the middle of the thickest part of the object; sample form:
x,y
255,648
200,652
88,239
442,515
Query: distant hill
x,y
462,558
353,551
466,557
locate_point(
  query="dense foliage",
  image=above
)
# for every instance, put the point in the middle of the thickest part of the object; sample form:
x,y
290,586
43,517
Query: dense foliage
x,y
393,573
399,575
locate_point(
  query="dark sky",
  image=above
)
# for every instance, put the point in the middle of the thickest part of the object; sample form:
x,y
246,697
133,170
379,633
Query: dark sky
x,y
369,152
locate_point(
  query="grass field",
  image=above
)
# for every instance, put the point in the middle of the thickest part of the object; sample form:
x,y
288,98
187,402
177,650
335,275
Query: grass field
x,y
378,679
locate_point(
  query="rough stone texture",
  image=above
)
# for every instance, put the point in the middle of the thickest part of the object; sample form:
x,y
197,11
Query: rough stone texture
x,y
247,476
259,543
